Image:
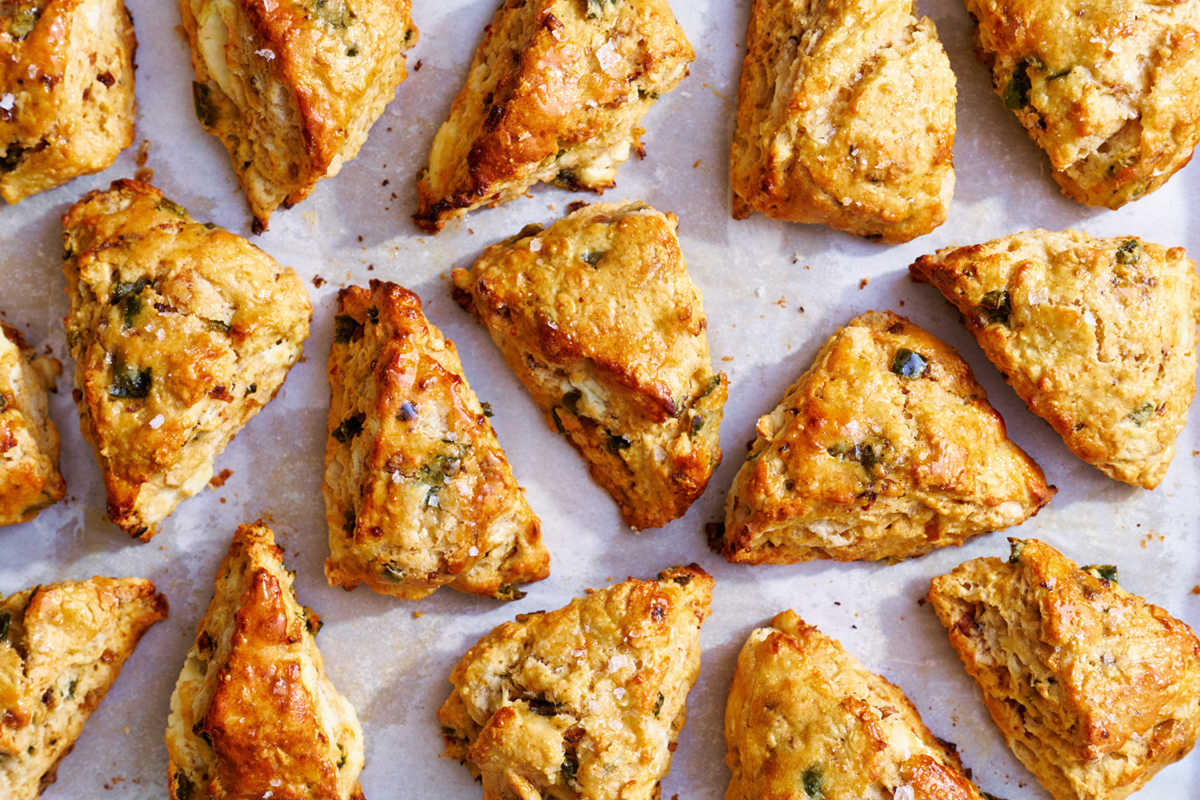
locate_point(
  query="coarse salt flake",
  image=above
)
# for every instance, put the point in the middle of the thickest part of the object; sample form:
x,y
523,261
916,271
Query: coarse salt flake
x,y
157,422
535,246
1089,317
474,551
607,56
618,662
904,792
266,53
619,692
396,476
7,101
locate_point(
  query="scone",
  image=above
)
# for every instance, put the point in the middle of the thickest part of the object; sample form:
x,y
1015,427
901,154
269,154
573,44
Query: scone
x,y
1097,336
291,87
253,714
66,91
62,646
418,492
583,702
845,117
180,332
598,318
556,93
805,719
29,476
1108,88
886,447
1095,689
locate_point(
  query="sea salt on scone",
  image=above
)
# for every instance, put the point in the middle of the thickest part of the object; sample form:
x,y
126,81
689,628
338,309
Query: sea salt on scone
x,y
66,91
418,492
291,87
253,714
583,702
1095,689
1110,89
886,447
29,476
556,93
62,646
180,332
598,318
805,719
845,117
1097,336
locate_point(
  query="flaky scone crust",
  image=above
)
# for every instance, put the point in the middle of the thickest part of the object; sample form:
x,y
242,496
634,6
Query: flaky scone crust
x,y
1097,336
1095,689
583,702
598,318
862,462
29,476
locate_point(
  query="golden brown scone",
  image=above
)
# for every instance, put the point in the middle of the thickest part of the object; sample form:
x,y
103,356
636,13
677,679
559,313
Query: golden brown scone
x,y
845,117
62,647
418,492
1097,336
291,87
66,91
583,702
886,447
556,93
805,719
29,476
598,318
1110,89
180,333
1095,689
253,714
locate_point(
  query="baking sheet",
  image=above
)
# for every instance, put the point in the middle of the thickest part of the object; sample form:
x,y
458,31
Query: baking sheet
x,y
773,293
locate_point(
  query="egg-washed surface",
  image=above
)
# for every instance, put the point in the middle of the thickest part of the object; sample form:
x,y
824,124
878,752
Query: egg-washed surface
x,y
29,444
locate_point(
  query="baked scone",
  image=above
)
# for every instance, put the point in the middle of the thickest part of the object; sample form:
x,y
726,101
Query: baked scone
x,y
66,91
29,476
886,447
291,87
180,332
1095,689
418,492
253,714
556,93
598,318
1108,88
845,117
62,646
1097,336
583,702
805,719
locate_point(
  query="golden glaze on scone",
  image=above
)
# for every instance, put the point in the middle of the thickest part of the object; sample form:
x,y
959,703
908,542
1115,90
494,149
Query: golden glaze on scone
x,y
1095,689
253,714
62,647
805,719
1110,89
1097,336
66,91
180,333
291,87
886,447
29,476
598,318
556,93
585,702
845,117
418,492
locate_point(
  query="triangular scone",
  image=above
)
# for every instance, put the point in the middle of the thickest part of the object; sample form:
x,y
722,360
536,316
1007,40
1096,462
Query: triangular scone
x,y
29,476
253,714
583,702
1097,336
845,117
598,318
1095,689
292,87
418,492
805,719
62,647
555,93
180,333
885,448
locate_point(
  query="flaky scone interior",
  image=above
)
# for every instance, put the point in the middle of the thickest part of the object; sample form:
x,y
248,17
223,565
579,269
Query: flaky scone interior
x,y
29,444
